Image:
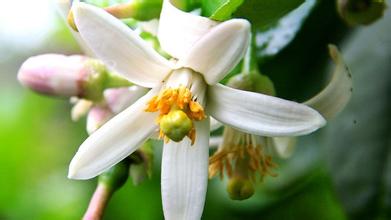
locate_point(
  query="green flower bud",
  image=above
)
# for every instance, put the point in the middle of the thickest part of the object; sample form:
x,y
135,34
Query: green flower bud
x,y
253,82
361,12
115,177
176,125
240,188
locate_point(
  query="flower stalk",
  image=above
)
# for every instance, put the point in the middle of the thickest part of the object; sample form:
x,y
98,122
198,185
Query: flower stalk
x,y
108,183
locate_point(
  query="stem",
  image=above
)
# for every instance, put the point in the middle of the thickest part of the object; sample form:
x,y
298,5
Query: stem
x,y
98,203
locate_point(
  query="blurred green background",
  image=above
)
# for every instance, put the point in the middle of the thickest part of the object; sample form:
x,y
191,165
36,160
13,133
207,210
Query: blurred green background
x,y
342,171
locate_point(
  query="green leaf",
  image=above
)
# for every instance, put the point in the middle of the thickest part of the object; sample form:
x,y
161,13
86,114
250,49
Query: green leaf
x,y
263,13
220,9
358,146
271,41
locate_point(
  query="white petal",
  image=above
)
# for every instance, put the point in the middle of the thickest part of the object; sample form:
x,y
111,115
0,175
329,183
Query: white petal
x,y
333,99
178,30
220,50
119,99
114,141
260,114
214,124
284,146
185,176
63,7
119,47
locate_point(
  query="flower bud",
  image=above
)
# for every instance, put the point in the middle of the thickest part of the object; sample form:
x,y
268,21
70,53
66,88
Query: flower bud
x,y
59,75
97,117
115,177
176,125
254,82
239,188
54,74
361,12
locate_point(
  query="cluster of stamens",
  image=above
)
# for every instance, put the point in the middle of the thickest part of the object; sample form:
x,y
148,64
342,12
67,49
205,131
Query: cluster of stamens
x,y
242,154
177,111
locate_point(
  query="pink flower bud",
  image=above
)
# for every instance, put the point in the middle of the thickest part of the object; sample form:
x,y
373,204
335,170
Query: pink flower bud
x,y
97,116
119,99
54,74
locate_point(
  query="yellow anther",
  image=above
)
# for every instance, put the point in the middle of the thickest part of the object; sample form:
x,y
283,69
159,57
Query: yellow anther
x,y
176,109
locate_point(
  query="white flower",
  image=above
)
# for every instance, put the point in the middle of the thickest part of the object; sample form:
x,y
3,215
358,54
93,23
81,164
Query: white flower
x,y
203,52
244,156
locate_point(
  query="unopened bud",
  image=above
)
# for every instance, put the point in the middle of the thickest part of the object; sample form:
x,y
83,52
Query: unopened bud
x,y
59,75
176,125
254,82
361,12
119,99
115,177
239,188
54,74
97,117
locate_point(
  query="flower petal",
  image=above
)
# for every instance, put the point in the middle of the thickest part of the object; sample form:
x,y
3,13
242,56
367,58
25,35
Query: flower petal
x,y
179,30
214,124
260,114
185,175
119,47
63,8
114,141
333,99
284,146
220,50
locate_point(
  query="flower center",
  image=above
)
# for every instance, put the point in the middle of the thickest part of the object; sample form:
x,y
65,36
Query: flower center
x,y
179,104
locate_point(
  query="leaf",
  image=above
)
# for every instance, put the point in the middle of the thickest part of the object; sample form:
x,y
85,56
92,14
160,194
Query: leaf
x,y
263,13
277,37
219,9
358,142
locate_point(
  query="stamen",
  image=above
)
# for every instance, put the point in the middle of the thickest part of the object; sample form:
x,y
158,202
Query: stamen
x,y
177,112
241,155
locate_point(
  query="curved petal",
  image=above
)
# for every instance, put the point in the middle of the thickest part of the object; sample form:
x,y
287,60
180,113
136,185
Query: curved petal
x,y
214,124
259,114
185,175
119,47
179,30
333,99
220,50
63,7
114,141
284,146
